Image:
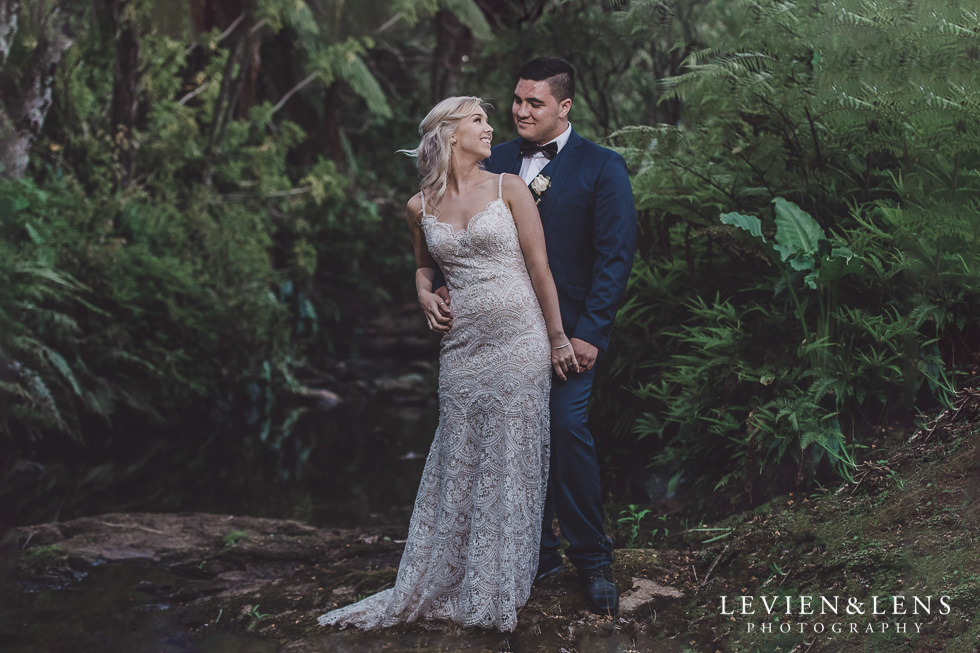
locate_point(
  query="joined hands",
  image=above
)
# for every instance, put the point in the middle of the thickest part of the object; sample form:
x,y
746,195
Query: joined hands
x,y
435,307
439,316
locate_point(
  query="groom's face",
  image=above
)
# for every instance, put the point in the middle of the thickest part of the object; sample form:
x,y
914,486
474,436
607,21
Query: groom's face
x,y
539,117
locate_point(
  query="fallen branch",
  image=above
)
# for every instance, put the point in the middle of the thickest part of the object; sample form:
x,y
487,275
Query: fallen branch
x,y
712,567
134,527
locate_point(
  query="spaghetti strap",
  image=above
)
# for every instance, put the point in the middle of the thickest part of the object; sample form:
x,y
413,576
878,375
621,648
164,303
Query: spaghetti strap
x,y
422,195
500,189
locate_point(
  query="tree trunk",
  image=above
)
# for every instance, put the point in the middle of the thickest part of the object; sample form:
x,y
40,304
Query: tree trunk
x,y
226,102
21,119
222,14
331,115
453,42
9,11
125,97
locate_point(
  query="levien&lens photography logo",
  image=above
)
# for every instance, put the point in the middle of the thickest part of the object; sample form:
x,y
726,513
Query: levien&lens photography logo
x,y
836,614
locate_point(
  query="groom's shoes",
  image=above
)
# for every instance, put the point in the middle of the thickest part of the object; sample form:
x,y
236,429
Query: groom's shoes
x,y
600,590
548,566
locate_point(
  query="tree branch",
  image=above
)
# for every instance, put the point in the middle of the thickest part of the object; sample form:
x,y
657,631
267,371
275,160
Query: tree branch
x,y
257,26
231,28
197,91
195,43
306,82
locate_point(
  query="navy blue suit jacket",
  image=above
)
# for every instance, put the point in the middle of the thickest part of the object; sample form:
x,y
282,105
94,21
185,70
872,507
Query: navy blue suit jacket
x,y
590,231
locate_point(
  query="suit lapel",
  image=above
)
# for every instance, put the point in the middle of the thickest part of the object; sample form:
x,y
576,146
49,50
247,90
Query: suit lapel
x,y
516,161
557,171
506,157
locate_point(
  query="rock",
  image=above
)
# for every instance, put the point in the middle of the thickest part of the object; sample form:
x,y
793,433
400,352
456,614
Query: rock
x,y
411,384
645,591
401,332
325,399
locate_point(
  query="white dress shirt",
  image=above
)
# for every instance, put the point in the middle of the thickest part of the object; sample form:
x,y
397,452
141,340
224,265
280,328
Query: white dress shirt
x,y
532,165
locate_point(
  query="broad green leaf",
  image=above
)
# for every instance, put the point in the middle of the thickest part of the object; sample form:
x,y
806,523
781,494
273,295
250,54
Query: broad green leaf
x,y
750,223
841,252
838,267
796,231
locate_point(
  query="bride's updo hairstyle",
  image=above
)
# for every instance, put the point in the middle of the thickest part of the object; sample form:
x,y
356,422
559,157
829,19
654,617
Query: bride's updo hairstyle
x,y
434,155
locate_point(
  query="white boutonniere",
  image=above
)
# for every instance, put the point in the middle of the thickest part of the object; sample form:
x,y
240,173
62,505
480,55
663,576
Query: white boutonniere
x,y
540,185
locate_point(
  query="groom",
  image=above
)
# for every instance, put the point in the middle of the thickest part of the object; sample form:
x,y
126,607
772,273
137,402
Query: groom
x,y
586,206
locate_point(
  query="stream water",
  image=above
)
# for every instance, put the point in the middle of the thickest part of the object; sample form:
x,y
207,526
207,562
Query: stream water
x,y
354,464
340,465
105,611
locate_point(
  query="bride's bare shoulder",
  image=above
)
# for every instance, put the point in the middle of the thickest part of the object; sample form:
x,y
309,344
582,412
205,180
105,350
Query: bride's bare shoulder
x,y
514,187
413,210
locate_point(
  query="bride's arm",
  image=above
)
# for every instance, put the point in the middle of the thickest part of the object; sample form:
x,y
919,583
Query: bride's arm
x,y
531,235
437,312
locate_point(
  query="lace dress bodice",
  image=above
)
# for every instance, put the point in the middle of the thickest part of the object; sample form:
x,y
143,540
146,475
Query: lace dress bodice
x,y
487,248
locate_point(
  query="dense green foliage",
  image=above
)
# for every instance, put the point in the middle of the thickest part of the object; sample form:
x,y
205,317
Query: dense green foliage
x,y
840,141
180,267
195,229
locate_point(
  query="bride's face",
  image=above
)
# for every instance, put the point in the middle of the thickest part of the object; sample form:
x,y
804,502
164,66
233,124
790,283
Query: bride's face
x,y
474,134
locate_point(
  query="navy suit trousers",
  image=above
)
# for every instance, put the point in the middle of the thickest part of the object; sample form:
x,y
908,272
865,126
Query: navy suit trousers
x,y
574,492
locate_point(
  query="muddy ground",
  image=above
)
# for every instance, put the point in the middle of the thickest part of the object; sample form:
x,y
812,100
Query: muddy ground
x,y
902,538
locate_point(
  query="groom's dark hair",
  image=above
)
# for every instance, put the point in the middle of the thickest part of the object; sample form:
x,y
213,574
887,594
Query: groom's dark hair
x,y
557,72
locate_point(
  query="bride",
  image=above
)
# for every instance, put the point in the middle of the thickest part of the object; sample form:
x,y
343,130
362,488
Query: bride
x,y
472,548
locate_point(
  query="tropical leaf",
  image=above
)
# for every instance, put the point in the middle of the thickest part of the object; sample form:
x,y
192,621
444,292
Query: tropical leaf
x,y
749,223
796,231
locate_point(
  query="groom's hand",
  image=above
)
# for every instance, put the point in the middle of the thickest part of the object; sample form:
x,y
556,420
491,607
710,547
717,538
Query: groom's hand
x,y
438,316
443,293
585,353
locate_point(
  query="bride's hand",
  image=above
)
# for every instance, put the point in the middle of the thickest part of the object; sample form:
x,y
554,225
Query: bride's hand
x,y
563,359
437,312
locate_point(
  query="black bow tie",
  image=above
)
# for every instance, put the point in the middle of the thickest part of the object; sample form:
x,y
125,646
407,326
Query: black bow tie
x,y
530,149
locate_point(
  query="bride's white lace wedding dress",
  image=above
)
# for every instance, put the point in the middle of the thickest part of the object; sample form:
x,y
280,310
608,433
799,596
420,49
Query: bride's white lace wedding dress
x,y
472,548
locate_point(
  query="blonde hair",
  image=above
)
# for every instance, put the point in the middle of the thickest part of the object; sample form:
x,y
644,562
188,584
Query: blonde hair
x,y
434,154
